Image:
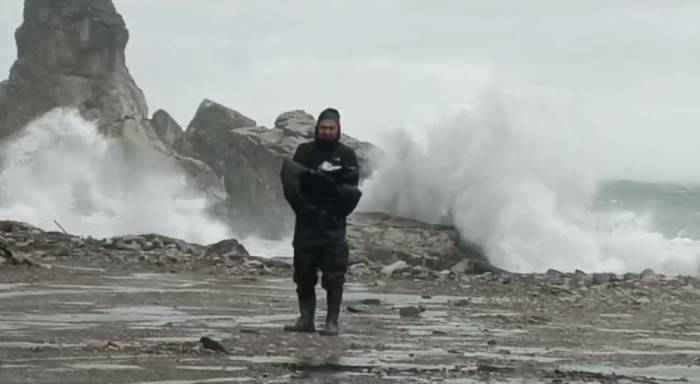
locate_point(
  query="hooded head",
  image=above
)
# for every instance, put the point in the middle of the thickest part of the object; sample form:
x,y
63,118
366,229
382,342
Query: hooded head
x,y
328,127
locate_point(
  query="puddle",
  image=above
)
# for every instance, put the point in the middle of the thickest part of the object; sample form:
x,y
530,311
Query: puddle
x,y
264,319
77,358
503,381
640,332
670,343
616,316
200,381
210,368
105,367
512,357
7,287
78,303
681,373
348,364
30,345
264,359
192,335
56,291
73,268
137,317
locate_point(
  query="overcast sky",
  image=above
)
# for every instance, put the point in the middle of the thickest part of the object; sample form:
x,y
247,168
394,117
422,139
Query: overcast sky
x,y
632,67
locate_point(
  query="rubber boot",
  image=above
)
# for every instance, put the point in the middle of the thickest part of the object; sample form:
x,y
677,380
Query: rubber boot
x,y
307,310
334,296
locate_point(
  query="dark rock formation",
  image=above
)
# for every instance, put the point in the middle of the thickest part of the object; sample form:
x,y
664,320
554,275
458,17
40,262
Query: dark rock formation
x,y
377,238
249,157
167,129
71,53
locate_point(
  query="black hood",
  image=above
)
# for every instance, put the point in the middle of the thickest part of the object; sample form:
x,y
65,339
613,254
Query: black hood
x,y
332,114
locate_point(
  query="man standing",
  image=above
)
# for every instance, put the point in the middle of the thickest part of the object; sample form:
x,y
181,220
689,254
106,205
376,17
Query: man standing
x,y
322,193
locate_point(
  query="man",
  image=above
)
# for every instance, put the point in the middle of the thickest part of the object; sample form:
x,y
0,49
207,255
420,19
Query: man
x,y
326,192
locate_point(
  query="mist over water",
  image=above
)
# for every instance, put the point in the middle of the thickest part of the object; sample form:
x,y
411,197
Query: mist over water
x,y
514,173
60,168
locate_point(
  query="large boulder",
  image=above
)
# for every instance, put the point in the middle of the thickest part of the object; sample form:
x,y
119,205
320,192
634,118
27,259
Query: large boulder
x,y
208,137
71,53
249,157
166,128
382,239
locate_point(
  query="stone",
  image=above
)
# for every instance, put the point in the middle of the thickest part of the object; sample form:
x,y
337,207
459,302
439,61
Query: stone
x,y
649,275
208,135
359,269
228,247
461,268
630,276
371,301
412,311
461,303
24,259
393,268
284,263
5,252
166,128
127,245
358,308
255,265
602,278
171,258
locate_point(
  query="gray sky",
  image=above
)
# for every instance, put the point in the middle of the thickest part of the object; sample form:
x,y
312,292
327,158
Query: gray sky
x,y
632,68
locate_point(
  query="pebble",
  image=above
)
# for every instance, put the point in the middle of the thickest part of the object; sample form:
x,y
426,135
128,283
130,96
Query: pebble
x,y
412,311
358,308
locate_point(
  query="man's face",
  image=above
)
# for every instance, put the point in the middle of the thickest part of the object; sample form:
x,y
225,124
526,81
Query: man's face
x,y
327,129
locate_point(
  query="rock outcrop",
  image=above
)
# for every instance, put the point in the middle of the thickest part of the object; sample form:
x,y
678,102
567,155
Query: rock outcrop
x,y
167,129
71,53
381,239
249,157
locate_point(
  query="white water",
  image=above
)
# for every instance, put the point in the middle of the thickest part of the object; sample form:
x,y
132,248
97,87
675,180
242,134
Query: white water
x,y
514,174
509,173
62,169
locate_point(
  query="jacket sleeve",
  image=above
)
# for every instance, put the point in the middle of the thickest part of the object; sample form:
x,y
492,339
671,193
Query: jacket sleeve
x,y
301,206
351,175
348,194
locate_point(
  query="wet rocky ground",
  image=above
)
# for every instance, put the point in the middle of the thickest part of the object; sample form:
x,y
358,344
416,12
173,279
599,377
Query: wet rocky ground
x,y
132,309
71,323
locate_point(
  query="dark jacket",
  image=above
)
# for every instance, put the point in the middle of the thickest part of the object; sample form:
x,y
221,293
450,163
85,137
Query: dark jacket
x,y
319,218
